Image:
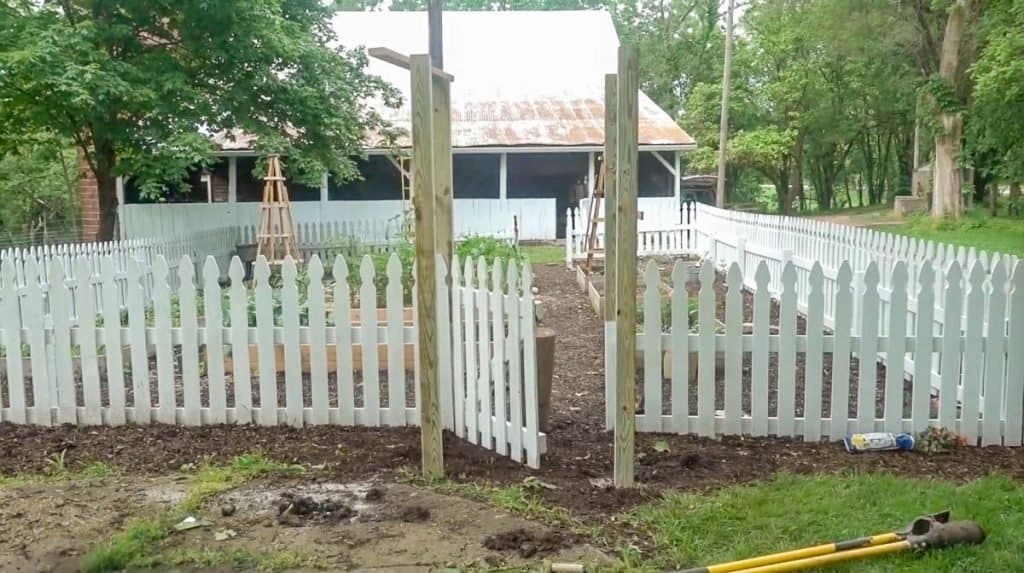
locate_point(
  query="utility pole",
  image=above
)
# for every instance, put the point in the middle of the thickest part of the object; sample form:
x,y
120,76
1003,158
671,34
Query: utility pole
x,y
723,132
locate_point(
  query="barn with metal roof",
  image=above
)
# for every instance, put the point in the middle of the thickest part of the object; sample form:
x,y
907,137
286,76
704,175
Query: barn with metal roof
x,y
527,131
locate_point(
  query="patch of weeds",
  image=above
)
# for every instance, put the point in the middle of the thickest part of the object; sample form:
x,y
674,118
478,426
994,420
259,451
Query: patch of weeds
x,y
938,441
55,465
96,470
237,558
125,547
13,480
211,479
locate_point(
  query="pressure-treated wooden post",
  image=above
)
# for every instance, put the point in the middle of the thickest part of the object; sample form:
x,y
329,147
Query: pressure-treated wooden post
x,y
625,263
442,138
426,287
611,87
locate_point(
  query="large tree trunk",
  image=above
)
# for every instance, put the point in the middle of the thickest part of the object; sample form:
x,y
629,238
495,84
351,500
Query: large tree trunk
x,y
946,175
106,182
797,172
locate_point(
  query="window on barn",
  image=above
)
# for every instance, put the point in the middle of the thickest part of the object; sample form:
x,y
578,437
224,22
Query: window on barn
x,y
198,186
250,184
655,180
381,180
476,176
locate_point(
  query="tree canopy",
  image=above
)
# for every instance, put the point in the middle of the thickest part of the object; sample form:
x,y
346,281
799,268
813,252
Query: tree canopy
x,y
139,85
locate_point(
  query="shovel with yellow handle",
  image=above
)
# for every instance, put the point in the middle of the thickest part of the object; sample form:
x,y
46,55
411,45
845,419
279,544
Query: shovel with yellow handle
x,y
926,532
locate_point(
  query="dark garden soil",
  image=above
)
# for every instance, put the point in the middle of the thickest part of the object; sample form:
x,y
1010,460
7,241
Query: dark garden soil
x,y
579,460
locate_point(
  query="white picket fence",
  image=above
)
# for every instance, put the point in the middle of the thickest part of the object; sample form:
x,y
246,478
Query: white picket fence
x,y
39,262
749,238
981,391
658,236
268,356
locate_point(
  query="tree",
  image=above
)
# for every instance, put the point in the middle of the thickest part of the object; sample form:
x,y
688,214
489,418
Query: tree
x,y
996,123
38,180
138,85
946,172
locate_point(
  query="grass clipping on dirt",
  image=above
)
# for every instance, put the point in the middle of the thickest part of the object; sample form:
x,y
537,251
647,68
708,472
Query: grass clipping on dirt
x,y
137,544
796,511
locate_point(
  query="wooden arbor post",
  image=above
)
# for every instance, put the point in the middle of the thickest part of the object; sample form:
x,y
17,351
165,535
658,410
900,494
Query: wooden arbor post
x,y
432,208
626,128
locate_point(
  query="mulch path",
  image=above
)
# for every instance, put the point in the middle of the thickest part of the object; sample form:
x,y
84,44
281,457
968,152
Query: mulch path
x,y
579,458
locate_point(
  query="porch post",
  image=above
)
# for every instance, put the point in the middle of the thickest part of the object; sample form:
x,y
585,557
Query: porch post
x,y
503,179
323,188
120,207
232,179
675,182
590,175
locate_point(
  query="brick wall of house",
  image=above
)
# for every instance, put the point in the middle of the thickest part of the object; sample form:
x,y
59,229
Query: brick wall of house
x,y
89,202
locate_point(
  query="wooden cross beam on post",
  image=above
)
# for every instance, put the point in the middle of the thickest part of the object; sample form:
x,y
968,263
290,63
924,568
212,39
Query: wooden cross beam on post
x,y
432,207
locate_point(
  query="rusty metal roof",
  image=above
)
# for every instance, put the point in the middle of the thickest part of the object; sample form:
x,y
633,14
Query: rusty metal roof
x,y
524,78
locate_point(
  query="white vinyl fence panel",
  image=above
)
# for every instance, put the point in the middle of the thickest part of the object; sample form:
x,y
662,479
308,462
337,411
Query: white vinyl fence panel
x,y
982,387
274,353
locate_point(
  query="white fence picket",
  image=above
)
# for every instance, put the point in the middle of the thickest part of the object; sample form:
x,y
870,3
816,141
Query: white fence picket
x,y
679,350
499,373
319,394
60,312
267,365
1015,361
368,340
994,360
814,360
787,352
515,369
189,342
17,413
213,321
290,337
241,368
444,343
973,373
85,303
920,410
734,350
458,352
951,351
868,375
484,390
116,414
343,348
759,388
395,345
650,421
531,433
896,348
472,330
706,352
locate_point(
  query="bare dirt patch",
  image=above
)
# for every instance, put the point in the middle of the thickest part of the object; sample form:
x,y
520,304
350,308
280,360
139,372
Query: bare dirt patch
x,y
50,525
411,527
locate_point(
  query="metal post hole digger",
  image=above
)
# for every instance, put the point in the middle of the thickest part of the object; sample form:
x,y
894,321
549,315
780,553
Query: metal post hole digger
x,y
926,532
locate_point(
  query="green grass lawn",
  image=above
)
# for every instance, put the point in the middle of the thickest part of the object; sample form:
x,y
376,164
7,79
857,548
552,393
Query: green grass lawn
x,y
976,229
543,254
796,511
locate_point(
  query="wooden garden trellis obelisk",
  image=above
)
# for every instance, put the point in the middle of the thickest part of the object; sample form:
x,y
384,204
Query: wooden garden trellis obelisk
x,y
275,237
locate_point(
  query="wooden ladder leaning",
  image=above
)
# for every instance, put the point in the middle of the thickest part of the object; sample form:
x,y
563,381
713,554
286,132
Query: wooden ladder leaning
x,y
595,220
275,238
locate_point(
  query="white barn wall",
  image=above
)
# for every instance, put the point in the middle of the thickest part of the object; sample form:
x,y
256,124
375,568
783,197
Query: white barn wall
x,y
536,217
